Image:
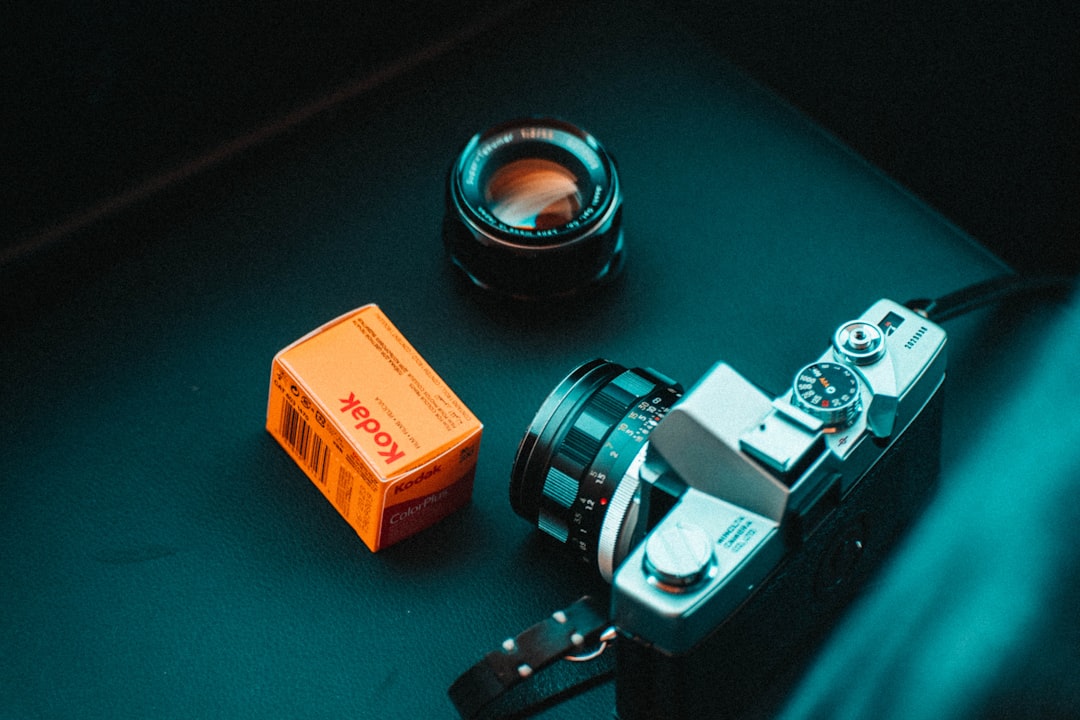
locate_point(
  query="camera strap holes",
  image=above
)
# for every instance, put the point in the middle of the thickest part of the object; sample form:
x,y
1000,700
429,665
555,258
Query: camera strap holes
x,y
606,637
509,682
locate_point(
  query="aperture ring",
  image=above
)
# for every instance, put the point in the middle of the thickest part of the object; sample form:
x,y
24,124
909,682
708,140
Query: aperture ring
x,y
578,470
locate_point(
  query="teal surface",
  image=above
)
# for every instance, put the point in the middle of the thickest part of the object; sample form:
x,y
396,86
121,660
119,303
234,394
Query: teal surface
x,y
161,556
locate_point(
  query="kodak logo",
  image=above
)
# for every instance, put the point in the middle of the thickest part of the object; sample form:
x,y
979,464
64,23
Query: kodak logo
x,y
353,407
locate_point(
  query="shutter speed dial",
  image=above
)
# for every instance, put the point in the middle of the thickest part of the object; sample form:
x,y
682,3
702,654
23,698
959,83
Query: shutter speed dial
x,y
829,392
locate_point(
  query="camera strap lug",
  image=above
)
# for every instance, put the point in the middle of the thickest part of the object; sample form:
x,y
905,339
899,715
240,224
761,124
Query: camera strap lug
x,y
508,682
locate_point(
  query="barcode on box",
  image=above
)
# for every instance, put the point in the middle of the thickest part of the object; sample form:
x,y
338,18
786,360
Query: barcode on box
x,y
308,446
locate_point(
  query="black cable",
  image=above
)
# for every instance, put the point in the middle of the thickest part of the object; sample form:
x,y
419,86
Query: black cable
x,y
991,291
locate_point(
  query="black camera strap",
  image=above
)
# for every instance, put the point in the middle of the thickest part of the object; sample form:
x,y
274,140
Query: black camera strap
x,y
992,291
508,682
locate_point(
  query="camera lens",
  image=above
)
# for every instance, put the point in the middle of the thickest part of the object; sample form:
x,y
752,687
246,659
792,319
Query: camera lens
x,y
575,472
534,210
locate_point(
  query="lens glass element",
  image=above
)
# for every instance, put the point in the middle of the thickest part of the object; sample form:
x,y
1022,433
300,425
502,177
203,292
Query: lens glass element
x,y
534,210
533,194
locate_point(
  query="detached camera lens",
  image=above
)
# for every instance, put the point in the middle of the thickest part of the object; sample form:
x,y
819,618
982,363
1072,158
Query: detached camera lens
x,y
534,210
575,473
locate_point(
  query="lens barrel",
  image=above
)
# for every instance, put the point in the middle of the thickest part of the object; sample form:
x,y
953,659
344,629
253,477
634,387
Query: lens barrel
x,y
574,474
534,210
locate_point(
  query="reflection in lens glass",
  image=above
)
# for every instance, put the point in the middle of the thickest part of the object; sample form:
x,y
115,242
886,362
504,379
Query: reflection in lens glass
x,y
534,211
533,194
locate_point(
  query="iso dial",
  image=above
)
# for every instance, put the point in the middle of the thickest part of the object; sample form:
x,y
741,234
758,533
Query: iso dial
x,y
828,391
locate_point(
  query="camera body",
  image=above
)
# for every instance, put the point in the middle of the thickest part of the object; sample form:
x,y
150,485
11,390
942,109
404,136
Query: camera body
x,y
782,508
735,526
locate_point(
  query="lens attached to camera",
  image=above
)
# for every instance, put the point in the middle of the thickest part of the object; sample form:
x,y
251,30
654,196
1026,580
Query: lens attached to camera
x,y
575,473
534,210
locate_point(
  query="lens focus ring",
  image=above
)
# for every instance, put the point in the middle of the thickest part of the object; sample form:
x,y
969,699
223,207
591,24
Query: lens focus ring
x,y
585,439
580,446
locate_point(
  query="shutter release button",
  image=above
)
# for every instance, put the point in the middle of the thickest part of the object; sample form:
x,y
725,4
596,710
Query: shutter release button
x,y
678,556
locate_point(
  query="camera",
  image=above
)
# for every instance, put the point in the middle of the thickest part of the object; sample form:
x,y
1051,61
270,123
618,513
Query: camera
x,y
734,526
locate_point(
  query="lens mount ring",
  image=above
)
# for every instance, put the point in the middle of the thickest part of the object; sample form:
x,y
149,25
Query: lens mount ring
x,y
533,210
621,518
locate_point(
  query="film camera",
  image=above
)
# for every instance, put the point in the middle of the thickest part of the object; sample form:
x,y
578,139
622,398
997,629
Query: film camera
x,y
732,525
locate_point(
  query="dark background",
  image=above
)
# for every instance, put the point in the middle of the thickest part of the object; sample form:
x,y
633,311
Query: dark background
x,y
974,106
193,188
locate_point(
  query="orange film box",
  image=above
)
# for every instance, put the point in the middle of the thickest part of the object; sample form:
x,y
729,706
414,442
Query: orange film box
x,y
373,426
